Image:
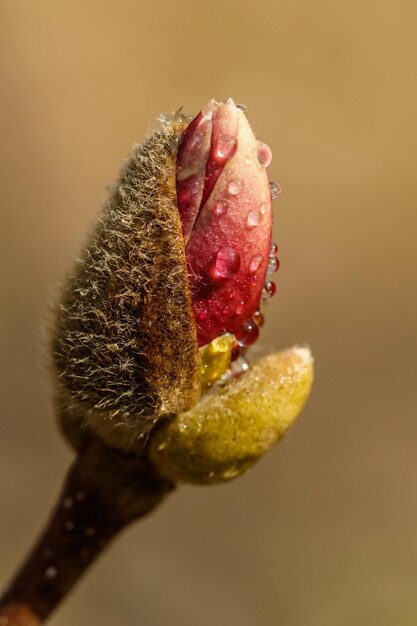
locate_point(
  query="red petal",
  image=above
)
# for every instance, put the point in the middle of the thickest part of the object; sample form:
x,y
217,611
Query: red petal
x,y
227,231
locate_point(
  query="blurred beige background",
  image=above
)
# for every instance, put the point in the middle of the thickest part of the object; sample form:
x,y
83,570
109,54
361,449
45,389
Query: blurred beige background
x,y
323,531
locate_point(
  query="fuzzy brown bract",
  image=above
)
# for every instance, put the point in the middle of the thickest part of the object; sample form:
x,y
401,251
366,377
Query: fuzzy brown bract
x,y
124,341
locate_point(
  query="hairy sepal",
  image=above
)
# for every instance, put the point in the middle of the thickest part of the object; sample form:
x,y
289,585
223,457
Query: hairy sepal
x,y
124,340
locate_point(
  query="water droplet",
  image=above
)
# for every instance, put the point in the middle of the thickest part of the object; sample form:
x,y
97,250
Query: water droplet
x,y
247,334
263,208
259,319
51,572
69,525
235,187
273,264
67,503
225,148
240,307
242,107
275,190
220,208
273,251
254,218
226,263
264,154
269,290
255,263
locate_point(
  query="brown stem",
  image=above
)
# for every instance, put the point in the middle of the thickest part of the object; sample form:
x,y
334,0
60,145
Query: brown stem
x,y
105,490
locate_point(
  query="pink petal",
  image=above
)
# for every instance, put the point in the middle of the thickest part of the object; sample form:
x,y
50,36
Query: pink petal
x,y
225,206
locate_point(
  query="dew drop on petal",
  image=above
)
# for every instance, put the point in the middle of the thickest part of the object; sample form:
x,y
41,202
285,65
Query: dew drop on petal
x,y
269,290
259,319
254,218
240,307
225,148
275,190
273,251
242,107
255,263
226,263
273,264
264,154
235,187
220,208
247,334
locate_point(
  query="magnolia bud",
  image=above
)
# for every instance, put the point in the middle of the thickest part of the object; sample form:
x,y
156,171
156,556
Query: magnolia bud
x,y
177,260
